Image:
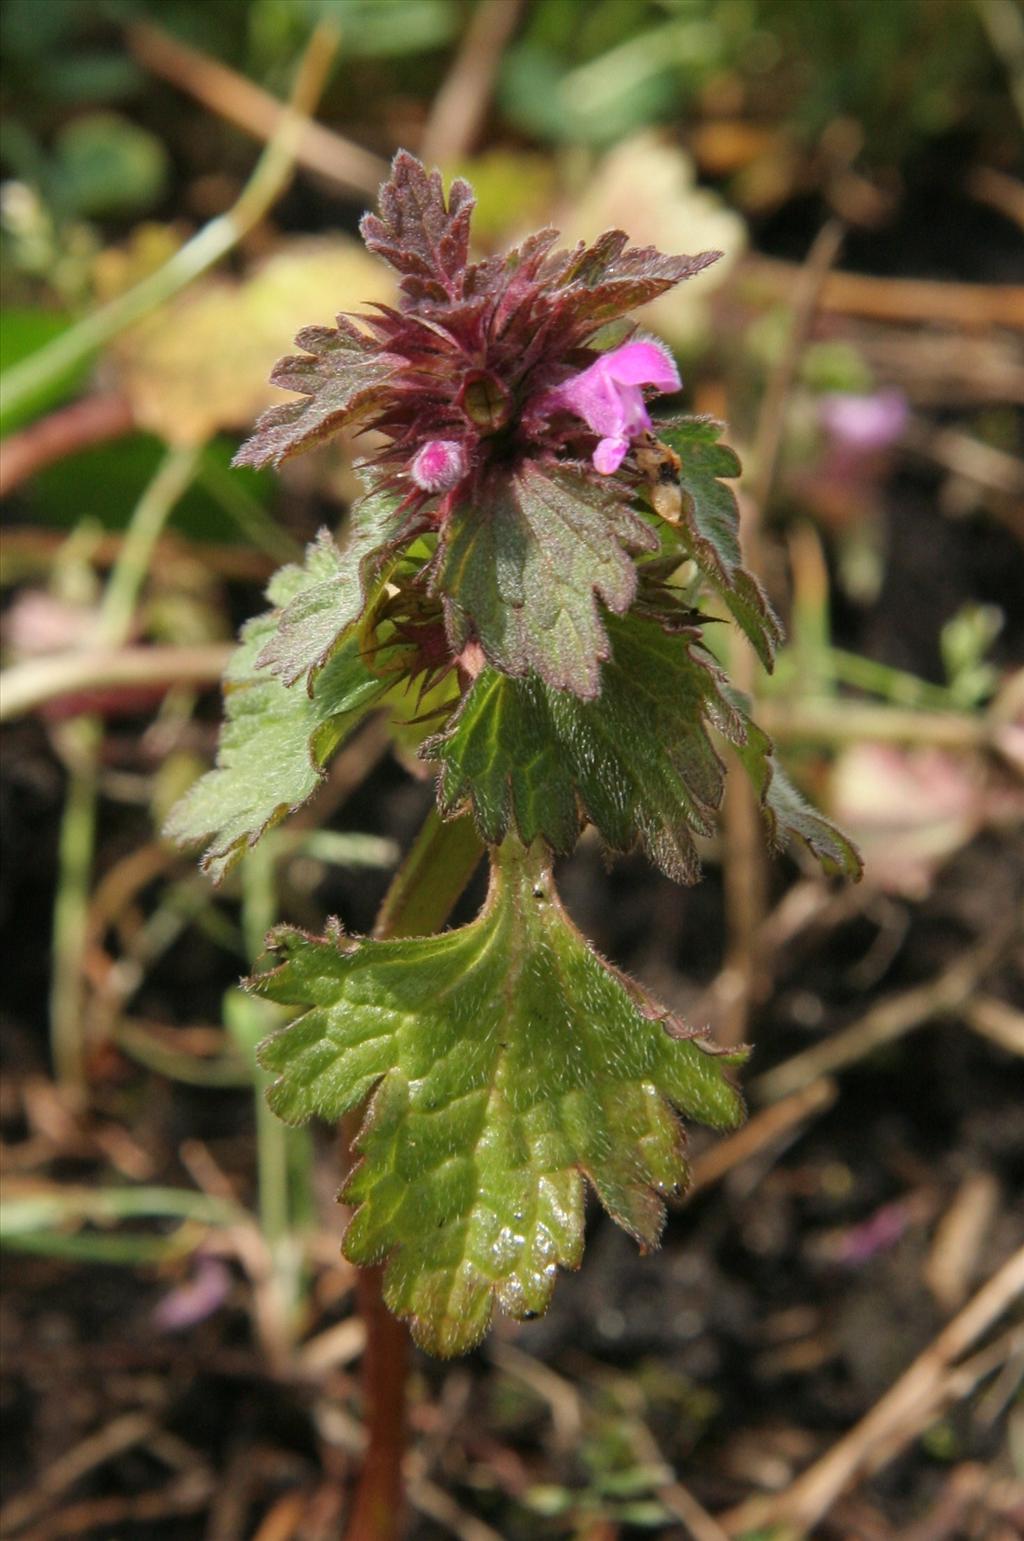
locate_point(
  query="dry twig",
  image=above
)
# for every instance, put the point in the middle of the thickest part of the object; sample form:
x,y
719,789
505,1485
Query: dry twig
x,y
119,1435
901,300
903,1411
459,108
889,1020
93,420
248,106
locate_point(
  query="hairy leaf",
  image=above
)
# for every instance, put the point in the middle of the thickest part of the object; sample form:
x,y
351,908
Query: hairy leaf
x,y
787,813
320,613
422,237
275,740
523,573
710,528
637,762
339,377
507,1062
598,283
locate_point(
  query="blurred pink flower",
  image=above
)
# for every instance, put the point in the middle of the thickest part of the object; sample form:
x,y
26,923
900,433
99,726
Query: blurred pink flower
x,y
609,398
199,1297
862,424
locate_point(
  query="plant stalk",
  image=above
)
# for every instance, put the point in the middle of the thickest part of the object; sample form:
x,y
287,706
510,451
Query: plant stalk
x,y
440,863
83,743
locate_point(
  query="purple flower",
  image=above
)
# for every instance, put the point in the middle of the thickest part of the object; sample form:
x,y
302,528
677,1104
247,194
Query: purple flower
x,y
862,424
609,397
469,378
199,1297
439,465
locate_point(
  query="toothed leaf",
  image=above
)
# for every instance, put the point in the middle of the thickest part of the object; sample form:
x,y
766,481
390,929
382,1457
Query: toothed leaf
x,y
316,619
599,283
709,529
339,377
637,762
787,813
507,1062
422,237
276,740
523,572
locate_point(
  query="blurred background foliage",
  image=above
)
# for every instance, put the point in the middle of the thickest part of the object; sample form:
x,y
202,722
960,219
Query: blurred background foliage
x,y
859,165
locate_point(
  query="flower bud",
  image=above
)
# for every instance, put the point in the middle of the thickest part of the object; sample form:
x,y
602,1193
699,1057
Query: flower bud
x,y
439,465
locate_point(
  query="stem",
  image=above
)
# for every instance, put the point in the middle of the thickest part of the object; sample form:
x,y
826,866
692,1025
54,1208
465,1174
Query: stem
x,y
70,910
247,512
24,686
441,862
283,1155
173,477
84,741
273,169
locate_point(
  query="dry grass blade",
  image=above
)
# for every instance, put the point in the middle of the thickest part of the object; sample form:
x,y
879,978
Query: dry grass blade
x,y
745,864
764,1128
460,106
889,1020
119,1435
231,96
25,686
900,1415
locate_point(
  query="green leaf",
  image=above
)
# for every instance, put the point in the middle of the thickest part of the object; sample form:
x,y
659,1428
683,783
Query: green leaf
x,y
276,739
507,1062
524,574
786,812
107,165
22,334
638,762
320,611
709,529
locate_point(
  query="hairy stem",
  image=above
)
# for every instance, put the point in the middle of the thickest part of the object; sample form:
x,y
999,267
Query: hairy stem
x,y
440,863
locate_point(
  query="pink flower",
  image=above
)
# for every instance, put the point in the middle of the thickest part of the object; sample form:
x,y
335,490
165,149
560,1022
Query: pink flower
x,y
199,1297
439,465
609,398
864,423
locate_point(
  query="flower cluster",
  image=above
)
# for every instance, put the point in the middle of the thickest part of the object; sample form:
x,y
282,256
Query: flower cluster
x,y
484,365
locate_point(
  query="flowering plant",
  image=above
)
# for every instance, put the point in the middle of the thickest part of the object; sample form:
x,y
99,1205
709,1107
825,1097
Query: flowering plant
x,y
526,568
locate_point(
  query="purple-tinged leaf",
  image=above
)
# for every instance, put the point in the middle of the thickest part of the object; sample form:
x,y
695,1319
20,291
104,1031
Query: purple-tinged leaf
x,y
597,284
421,236
340,377
522,572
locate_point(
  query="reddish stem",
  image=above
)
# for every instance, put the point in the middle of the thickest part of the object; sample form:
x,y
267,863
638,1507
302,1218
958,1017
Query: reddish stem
x,y
93,420
437,868
377,1513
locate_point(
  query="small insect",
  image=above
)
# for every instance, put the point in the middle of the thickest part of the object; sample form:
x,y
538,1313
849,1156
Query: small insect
x,y
660,467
